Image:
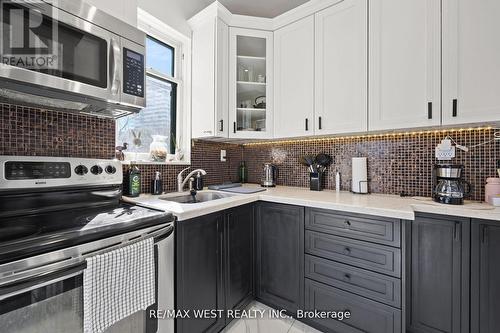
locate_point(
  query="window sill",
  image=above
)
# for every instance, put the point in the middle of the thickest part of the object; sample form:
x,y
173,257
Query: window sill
x,y
156,163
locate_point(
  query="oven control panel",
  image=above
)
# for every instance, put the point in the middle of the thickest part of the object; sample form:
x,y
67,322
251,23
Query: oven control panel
x,y
34,172
133,73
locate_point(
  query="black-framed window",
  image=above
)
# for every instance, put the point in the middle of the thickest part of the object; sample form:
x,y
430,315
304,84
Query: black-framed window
x,y
159,117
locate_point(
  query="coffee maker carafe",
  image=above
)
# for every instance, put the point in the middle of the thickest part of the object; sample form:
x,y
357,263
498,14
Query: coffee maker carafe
x,y
449,186
269,175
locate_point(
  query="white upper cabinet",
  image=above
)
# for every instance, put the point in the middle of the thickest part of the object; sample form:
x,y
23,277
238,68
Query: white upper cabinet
x,y
294,79
341,68
210,52
404,64
471,61
250,83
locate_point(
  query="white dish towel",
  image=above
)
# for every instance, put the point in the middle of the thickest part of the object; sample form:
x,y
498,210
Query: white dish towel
x,y
117,284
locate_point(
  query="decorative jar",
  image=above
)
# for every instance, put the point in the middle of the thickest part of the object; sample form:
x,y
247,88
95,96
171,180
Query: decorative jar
x,y
158,149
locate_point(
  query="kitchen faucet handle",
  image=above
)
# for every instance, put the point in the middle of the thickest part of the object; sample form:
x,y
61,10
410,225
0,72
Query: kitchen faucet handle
x,y
180,173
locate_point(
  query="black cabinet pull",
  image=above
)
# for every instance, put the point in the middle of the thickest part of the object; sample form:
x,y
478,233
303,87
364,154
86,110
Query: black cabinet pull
x,y
319,123
347,251
307,124
429,110
234,127
456,231
455,106
347,276
221,125
484,230
347,223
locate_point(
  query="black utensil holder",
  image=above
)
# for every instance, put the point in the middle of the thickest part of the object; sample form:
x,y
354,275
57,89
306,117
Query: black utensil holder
x,y
316,181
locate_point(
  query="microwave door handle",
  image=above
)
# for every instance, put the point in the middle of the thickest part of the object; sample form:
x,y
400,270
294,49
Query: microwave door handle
x,y
114,55
40,280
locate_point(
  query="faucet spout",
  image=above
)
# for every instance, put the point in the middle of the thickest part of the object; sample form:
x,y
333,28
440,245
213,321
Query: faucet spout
x,y
181,183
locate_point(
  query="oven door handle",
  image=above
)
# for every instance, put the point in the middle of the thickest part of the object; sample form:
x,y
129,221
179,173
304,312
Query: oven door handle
x,y
164,234
40,280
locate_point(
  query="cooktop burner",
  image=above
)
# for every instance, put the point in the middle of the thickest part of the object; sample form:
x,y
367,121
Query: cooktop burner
x,y
23,236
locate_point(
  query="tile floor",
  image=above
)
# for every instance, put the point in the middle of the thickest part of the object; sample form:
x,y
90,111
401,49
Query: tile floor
x,y
267,324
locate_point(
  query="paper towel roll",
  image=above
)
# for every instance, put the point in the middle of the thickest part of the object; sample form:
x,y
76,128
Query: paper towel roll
x,y
359,175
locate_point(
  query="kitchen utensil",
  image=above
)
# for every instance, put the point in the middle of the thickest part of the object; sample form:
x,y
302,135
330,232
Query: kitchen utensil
x,y
269,176
309,159
260,102
449,185
321,161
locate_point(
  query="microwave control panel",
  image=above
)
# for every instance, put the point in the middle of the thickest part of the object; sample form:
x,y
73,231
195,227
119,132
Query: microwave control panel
x,y
133,73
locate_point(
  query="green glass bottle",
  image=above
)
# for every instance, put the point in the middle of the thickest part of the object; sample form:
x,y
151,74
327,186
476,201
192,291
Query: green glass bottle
x,y
134,181
243,172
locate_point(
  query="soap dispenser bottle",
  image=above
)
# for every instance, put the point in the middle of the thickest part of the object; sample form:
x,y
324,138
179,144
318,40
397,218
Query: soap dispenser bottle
x,y
198,182
157,184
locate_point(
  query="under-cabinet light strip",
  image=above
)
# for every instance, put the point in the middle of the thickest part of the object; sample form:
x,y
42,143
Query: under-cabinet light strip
x,y
368,136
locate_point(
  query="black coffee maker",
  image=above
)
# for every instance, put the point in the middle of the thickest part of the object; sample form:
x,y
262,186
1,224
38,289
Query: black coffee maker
x,y
449,187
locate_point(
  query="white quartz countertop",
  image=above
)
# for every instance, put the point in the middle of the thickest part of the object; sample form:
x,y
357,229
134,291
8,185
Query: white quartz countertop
x,y
372,204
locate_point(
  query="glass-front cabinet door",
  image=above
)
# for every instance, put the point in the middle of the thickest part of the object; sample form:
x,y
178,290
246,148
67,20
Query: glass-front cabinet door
x,y
250,83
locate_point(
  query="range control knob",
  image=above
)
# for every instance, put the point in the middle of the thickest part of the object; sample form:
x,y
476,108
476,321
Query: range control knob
x,y
96,170
81,170
110,169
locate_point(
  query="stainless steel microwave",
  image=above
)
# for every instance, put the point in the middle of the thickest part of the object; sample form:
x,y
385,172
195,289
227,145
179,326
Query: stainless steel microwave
x,y
68,55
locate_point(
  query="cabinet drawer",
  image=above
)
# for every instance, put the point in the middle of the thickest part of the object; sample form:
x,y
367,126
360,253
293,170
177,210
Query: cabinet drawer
x,y
366,315
378,230
368,284
378,258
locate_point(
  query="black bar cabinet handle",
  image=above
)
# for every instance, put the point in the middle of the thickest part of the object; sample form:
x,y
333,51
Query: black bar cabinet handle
x,y
234,127
455,102
484,231
307,124
221,125
456,231
319,122
429,110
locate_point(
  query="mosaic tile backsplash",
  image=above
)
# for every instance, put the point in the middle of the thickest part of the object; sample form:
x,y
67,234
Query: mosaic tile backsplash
x,y
35,132
27,131
396,163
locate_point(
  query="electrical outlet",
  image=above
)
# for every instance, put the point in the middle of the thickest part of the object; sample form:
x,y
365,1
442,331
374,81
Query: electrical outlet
x,y
223,155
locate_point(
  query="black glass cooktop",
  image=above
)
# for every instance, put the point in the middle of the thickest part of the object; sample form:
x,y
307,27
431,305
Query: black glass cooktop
x,y
33,234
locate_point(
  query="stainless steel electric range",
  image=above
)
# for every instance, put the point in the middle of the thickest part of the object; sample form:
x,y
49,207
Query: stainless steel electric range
x,y
56,212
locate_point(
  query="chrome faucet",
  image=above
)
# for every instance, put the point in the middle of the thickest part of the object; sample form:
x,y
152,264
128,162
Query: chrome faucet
x,y
181,183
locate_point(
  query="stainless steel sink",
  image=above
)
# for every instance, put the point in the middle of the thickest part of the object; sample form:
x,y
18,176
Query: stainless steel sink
x,y
199,197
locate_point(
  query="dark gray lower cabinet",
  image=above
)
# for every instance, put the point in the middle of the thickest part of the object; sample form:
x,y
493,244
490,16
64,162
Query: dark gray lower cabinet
x,y
199,275
485,277
280,255
439,275
366,315
214,266
239,242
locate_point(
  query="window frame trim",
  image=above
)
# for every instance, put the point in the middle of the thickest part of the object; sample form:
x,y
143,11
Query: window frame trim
x,y
157,29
